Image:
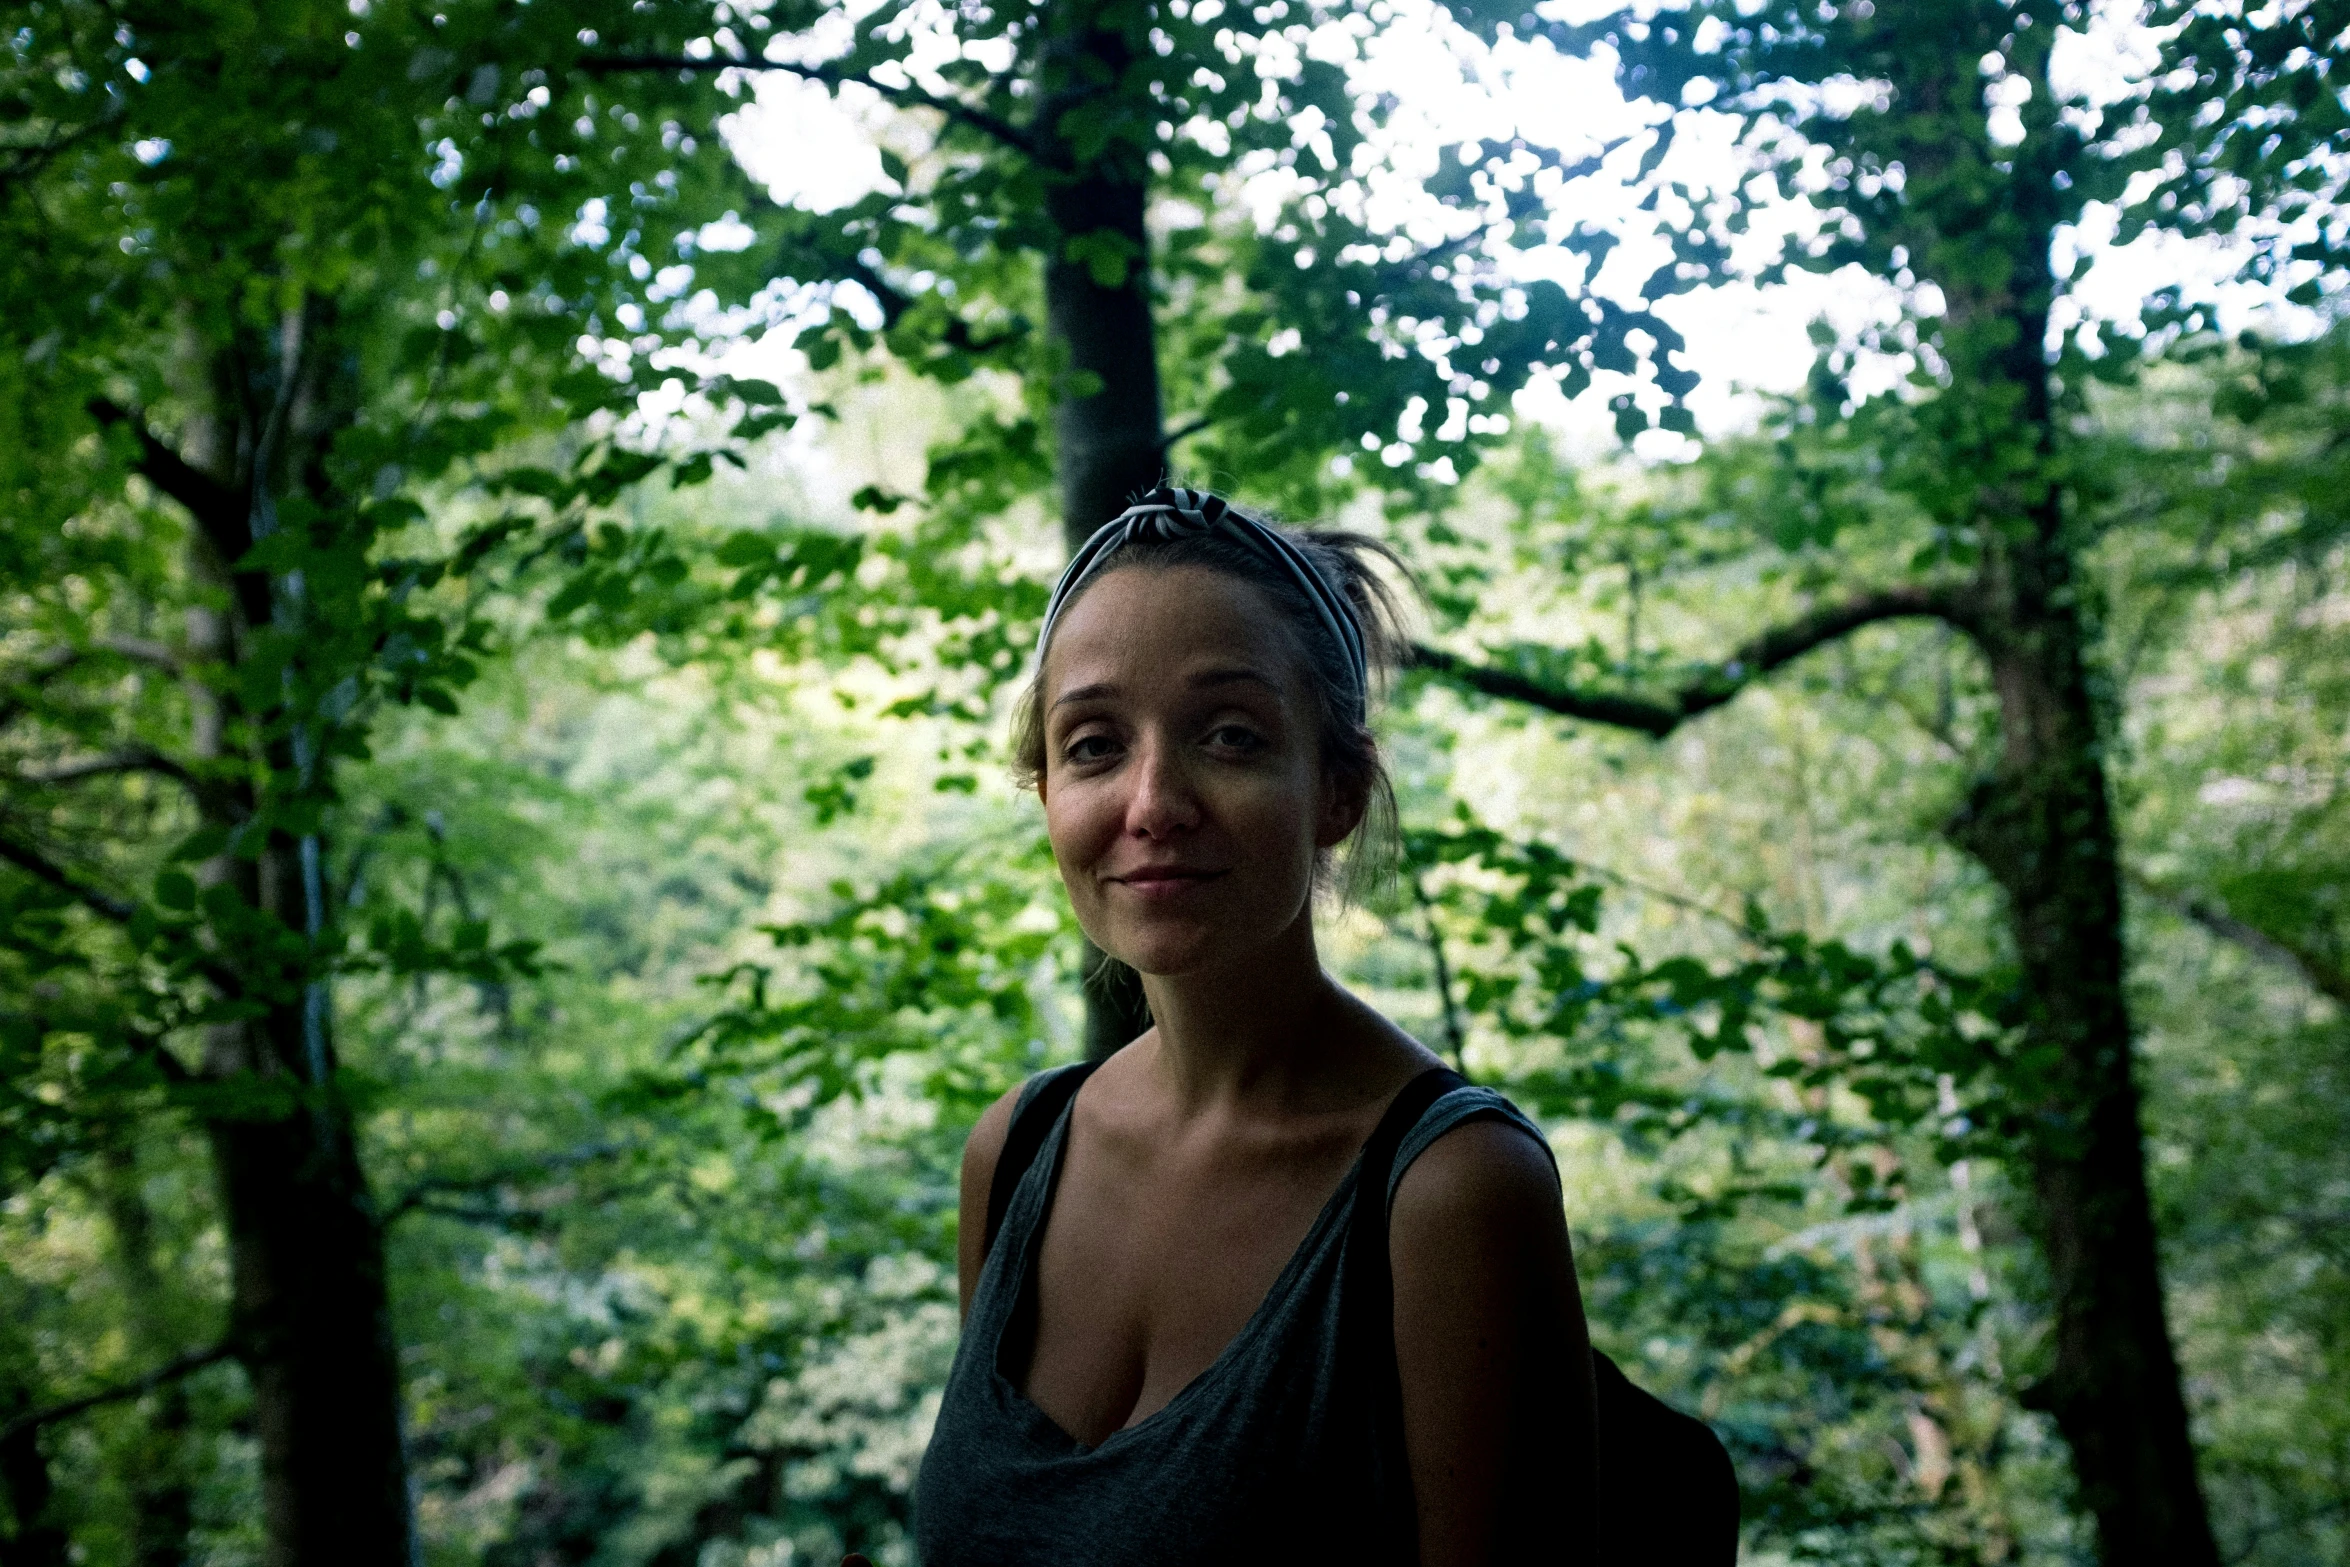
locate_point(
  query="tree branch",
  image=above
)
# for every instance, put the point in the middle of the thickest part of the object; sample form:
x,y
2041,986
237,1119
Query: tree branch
x,y
135,760
184,1366
142,650
220,509
1657,717
105,905
2322,973
21,160
895,302
42,868
421,1197
148,1044
1185,431
44,669
956,109
56,662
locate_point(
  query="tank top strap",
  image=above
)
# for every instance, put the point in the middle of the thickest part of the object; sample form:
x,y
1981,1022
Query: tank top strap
x,y
1464,1104
1038,1082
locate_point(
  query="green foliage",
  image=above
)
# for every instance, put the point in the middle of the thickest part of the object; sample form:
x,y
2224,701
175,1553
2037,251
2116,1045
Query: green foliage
x,y
679,922
1897,1032
1414,329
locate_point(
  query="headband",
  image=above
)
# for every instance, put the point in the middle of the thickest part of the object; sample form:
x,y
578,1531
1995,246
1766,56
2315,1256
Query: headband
x,y
1167,514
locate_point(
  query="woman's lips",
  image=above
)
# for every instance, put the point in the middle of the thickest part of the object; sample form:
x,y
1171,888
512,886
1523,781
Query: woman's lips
x,y
1164,881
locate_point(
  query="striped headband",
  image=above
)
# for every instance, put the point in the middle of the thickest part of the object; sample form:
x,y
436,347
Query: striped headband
x,y
1167,514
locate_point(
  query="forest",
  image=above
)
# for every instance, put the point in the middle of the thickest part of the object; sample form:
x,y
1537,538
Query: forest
x,y
522,523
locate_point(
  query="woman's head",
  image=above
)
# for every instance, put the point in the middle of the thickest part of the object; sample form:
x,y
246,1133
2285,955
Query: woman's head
x,y
1198,727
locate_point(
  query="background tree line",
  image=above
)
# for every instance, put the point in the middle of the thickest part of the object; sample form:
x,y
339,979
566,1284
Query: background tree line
x,y
511,898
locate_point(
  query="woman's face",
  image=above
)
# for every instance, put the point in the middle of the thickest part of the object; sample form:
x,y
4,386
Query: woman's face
x,y
1183,787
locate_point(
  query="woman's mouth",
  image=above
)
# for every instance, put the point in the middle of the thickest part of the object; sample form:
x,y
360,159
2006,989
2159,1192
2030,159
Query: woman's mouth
x,y
1165,881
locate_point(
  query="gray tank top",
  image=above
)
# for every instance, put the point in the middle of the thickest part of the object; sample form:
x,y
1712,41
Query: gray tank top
x,y
1276,1452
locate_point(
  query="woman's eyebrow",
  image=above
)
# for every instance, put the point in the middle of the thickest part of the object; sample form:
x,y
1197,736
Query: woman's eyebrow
x,y
1206,679
1235,674
1085,693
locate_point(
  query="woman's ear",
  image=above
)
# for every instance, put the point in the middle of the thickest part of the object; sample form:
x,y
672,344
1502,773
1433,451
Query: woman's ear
x,y
1343,806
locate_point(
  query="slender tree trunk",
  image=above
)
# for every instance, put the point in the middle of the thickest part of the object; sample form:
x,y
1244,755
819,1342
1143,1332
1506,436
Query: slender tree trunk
x,y
33,1539
1106,416
306,1255
163,1502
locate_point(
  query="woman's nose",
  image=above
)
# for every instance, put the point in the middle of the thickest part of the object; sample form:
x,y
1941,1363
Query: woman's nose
x,y
1163,801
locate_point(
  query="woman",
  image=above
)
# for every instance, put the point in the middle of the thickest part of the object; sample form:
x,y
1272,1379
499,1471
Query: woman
x,y
1170,1352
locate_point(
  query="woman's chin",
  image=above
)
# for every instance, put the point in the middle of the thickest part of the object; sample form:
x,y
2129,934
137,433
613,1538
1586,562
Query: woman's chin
x,y
1160,963
1167,954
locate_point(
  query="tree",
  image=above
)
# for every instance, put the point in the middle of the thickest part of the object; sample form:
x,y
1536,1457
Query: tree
x,y
1072,218
1957,165
274,270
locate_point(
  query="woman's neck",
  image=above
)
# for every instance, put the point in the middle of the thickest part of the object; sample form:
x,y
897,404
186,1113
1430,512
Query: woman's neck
x,y
1274,1029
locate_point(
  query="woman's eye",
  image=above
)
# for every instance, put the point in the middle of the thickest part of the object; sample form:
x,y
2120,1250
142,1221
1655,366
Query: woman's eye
x,y
1235,737
1088,748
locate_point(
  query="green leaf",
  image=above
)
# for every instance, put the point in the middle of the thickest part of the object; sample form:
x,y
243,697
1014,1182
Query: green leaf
x,y
746,547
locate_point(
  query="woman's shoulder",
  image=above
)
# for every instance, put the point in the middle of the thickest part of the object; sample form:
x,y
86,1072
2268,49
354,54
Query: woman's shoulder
x,y
1470,1132
985,1146
983,1152
1472,1163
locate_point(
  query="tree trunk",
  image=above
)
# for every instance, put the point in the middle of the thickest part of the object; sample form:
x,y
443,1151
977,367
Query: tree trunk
x,y
309,1296
2043,826
32,1539
1097,282
307,1266
2044,829
163,1502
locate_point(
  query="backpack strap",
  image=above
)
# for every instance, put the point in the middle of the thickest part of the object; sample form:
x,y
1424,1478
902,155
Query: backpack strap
x,y
1033,1119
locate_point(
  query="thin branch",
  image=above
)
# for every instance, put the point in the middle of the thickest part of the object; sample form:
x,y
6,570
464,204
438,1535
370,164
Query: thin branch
x,y
1653,719
895,302
23,160
42,868
146,1043
105,905
421,1197
143,650
44,669
1185,431
1679,900
969,114
138,759
58,660
1454,1034
1657,717
2322,973
186,1365
496,1216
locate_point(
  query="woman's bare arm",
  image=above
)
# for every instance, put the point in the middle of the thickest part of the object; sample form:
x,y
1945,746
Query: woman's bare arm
x,y
1490,1341
980,1153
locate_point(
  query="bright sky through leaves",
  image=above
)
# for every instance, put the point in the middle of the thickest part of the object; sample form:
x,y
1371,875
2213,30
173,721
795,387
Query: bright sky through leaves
x,y
822,151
